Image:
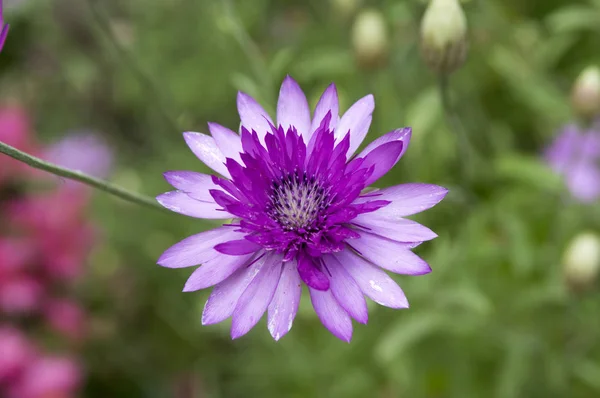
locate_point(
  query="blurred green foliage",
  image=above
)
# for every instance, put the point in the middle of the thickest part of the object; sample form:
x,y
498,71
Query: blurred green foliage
x,y
494,319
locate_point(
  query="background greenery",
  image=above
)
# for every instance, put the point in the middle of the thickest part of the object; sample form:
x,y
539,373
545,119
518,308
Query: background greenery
x,y
494,319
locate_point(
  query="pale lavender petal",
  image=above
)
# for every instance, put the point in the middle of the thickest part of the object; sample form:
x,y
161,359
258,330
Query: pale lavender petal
x,y
196,185
206,149
391,255
583,181
382,159
327,103
237,247
407,199
402,135
182,203
400,229
197,249
331,314
256,298
228,141
357,121
225,295
292,108
373,281
346,291
215,271
285,302
253,116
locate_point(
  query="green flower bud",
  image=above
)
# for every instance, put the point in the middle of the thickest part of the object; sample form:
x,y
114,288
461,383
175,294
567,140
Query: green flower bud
x,y
370,39
444,36
585,96
581,261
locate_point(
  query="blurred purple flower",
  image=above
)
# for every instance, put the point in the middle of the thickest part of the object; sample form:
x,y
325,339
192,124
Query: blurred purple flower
x,y
83,151
3,27
575,155
295,194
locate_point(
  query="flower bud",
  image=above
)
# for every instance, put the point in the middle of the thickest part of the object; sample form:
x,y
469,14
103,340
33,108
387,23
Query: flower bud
x,y
585,97
370,39
444,36
581,261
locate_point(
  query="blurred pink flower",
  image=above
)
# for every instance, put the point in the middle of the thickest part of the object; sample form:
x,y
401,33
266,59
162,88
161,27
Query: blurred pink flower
x,y
15,353
47,377
15,130
15,253
20,295
66,317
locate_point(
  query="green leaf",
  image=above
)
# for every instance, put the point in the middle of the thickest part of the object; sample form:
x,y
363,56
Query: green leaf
x,y
527,170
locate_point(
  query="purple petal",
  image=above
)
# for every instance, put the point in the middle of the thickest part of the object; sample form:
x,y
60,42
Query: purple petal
x,y
256,298
327,103
237,247
228,142
407,199
253,116
285,302
346,291
357,121
3,35
224,297
196,185
402,135
215,271
382,158
401,229
583,181
292,108
206,149
309,273
373,281
391,255
181,203
331,314
197,249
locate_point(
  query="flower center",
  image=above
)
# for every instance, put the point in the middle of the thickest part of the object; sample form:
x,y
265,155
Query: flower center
x,y
297,201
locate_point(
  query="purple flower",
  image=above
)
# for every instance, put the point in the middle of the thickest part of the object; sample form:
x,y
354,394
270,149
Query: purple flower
x,y
3,28
83,151
296,195
576,155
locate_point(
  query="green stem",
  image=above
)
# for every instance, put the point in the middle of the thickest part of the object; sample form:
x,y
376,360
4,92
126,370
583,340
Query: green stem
x,y
79,176
464,145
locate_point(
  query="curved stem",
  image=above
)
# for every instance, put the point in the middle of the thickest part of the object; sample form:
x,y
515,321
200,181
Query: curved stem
x,y
81,177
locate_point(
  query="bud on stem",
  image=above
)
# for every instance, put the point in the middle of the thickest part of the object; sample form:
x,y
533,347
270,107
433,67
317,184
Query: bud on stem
x,y
444,36
585,96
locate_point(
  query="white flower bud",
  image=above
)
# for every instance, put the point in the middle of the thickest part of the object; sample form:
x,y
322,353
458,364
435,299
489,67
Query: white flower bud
x,y
585,97
370,38
581,261
444,36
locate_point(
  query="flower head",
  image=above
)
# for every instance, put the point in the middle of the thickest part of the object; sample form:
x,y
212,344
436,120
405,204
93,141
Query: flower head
x,y
3,28
296,195
576,155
